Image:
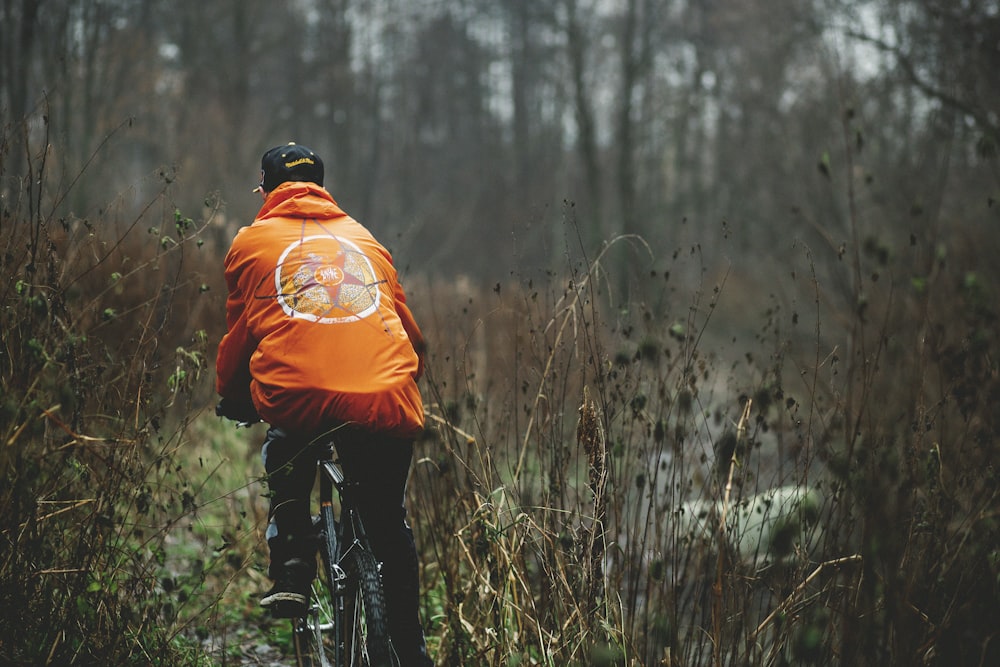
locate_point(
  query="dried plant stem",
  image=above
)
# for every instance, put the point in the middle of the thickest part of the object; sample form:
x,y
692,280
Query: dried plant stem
x,y
569,314
741,432
787,602
590,435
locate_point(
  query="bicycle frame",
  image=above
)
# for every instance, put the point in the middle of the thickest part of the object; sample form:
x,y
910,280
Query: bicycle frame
x,y
343,546
331,477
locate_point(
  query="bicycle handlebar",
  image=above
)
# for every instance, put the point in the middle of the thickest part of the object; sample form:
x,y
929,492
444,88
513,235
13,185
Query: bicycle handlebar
x,y
244,416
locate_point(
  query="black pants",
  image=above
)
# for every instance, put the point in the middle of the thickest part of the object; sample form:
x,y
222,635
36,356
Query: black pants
x,y
380,465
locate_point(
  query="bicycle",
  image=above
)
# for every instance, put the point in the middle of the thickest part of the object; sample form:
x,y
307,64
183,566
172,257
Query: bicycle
x,y
346,624
348,601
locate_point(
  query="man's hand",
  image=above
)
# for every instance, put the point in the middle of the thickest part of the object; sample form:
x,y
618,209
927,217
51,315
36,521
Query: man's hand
x,y
238,411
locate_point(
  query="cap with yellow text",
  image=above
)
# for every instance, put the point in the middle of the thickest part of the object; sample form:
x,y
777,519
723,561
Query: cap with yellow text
x,y
290,162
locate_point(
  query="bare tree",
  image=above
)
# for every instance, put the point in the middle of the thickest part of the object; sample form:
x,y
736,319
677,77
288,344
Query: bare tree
x,y
580,48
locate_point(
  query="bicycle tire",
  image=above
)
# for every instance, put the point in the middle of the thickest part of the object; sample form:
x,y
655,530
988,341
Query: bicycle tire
x,y
366,629
308,633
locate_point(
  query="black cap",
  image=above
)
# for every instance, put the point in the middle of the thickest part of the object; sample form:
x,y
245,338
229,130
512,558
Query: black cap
x,y
289,163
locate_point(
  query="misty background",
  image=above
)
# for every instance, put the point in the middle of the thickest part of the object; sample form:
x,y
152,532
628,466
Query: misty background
x,y
510,138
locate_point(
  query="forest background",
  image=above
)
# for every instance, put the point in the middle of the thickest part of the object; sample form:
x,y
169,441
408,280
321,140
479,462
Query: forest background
x,y
710,287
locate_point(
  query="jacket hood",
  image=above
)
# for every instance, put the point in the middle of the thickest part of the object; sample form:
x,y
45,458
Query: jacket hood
x,y
299,199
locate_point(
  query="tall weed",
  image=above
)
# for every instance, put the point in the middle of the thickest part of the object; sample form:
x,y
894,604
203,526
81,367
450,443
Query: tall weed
x,y
609,485
99,362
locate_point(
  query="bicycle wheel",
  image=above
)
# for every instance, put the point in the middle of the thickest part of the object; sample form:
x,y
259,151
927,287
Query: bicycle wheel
x,y
366,630
315,635
307,637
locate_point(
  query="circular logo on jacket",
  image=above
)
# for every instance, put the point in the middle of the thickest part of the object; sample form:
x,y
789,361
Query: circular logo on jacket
x,y
326,279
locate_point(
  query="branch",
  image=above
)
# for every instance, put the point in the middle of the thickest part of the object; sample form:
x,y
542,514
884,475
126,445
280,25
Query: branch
x,y
932,91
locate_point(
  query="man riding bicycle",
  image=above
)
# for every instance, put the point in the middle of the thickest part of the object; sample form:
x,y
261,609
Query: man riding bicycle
x,y
319,339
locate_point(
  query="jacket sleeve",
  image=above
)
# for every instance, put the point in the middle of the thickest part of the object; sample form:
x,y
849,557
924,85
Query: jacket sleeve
x,y
232,364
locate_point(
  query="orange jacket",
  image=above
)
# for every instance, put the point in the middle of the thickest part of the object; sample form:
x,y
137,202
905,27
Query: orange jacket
x,y
318,331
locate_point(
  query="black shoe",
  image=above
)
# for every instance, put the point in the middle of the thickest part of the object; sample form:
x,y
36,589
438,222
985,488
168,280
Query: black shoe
x,y
289,597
